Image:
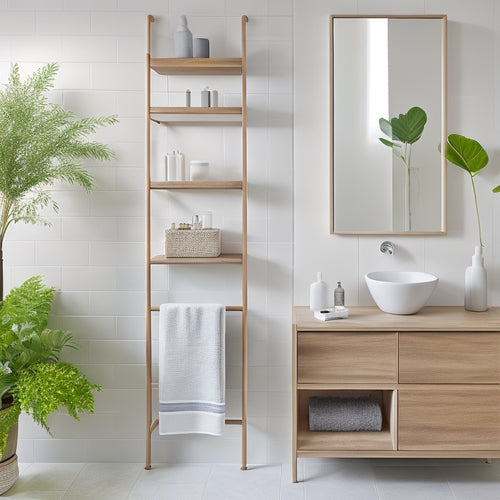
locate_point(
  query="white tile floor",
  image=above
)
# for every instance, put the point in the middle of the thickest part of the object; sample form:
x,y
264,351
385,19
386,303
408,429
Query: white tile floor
x,y
334,479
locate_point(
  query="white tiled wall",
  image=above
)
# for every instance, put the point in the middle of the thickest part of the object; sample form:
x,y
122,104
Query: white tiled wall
x,y
473,110
94,251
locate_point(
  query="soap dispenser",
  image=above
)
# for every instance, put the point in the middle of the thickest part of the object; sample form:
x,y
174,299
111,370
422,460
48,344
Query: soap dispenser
x,y
183,39
318,294
338,295
475,283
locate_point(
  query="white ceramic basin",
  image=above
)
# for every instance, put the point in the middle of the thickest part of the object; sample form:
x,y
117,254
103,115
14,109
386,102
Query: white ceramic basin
x,y
401,292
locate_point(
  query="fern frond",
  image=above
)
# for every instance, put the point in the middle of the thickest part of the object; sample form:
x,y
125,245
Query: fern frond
x,y
41,143
30,303
7,381
46,387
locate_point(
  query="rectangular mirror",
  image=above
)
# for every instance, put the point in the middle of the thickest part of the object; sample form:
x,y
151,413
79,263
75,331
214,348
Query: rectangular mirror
x,y
391,68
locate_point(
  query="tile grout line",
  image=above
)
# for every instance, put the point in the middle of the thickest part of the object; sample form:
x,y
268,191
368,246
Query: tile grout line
x,y
205,484
74,479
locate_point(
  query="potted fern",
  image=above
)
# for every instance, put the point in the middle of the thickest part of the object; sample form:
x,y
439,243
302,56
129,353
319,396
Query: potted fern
x,y
32,377
41,143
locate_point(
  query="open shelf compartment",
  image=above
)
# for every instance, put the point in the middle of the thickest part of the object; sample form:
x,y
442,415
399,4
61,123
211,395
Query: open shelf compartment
x,y
319,441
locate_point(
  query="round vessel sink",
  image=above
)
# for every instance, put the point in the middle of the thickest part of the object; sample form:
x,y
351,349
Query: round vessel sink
x,y
401,292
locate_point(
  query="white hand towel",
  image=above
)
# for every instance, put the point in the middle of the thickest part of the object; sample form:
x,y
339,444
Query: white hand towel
x,y
192,368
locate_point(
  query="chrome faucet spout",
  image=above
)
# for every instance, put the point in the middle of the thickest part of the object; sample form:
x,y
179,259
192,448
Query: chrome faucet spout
x,y
387,247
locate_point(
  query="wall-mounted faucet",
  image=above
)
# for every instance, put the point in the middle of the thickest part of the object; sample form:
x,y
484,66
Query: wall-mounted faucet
x,y
387,247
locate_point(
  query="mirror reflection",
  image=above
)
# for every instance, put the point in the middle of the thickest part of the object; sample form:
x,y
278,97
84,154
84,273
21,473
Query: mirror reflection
x,y
388,119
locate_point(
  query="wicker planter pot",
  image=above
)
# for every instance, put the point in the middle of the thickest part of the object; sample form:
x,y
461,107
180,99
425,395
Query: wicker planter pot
x,y
9,471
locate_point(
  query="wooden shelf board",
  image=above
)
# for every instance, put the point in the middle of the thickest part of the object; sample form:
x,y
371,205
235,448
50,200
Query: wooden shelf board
x,y
196,185
227,258
197,66
361,386
171,114
326,441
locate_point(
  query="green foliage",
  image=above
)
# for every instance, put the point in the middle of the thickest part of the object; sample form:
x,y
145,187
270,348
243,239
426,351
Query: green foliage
x,y
8,417
46,387
497,189
405,129
470,156
403,132
466,153
30,369
29,303
40,143
24,336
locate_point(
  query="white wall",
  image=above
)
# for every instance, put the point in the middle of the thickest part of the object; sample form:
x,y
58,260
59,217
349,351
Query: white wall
x,y
473,110
94,252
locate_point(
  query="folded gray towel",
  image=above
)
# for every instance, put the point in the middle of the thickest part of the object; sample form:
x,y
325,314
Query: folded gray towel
x,y
344,414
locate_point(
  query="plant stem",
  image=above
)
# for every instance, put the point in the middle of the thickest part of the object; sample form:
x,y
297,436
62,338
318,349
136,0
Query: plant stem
x,y
409,187
406,158
1,270
477,211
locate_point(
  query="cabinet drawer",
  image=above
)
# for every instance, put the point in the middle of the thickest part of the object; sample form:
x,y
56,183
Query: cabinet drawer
x,y
450,419
449,357
350,357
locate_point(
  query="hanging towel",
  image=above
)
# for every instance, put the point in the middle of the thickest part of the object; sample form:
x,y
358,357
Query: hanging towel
x,y
192,369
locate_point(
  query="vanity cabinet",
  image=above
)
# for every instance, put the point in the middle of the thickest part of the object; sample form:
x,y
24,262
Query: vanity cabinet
x,y
435,374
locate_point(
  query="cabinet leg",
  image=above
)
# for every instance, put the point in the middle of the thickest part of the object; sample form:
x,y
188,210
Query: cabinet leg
x,y
488,461
294,470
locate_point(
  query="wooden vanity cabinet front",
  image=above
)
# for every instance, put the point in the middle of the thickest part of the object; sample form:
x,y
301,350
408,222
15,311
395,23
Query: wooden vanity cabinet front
x,y
341,357
436,374
459,418
449,357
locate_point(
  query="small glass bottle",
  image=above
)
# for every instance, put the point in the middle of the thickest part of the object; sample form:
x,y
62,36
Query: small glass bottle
x,y
338,295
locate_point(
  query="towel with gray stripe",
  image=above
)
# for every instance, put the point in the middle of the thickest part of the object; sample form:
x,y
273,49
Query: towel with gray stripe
x,y
344,414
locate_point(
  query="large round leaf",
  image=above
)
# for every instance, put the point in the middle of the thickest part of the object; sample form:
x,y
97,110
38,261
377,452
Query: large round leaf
x,y
408,128
466,153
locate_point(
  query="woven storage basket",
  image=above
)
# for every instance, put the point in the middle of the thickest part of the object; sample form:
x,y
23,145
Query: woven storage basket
x,y
192,242
9,472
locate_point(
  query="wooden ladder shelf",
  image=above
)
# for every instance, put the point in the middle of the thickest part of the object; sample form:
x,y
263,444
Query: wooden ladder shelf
x,y
197,116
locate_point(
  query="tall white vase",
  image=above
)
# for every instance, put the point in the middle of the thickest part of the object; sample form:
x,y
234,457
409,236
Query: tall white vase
x,y
476,295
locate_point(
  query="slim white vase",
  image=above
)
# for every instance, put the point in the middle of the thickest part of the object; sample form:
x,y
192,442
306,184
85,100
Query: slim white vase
x,y
183,40
476,296
318,297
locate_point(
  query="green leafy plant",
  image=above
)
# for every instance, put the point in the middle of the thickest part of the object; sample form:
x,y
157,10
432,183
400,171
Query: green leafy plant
x,y
40,143
45,387
8,417
404,131
470,156
31,373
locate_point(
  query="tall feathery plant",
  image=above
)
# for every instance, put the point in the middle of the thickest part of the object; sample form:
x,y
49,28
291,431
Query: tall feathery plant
x,y
40,143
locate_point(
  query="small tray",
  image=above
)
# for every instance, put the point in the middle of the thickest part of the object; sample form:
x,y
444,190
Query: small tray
x,y
337,312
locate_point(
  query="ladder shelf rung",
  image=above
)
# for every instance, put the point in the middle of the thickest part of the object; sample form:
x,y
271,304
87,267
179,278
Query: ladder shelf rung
x,y
223,258
196,185
228,309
